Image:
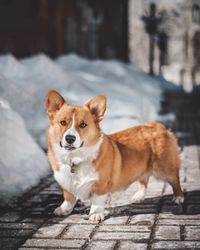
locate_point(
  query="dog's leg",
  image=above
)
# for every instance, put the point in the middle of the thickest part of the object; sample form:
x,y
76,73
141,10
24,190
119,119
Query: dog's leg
x,y
97,208
178,194
141,191
63,177
67,206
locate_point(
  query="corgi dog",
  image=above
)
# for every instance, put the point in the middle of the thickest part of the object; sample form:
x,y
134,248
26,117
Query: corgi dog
x,y
90,165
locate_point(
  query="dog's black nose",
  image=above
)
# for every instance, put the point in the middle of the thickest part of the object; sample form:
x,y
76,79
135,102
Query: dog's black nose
x,y
70,139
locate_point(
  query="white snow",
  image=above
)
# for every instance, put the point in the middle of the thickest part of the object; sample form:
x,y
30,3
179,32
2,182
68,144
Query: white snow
x,y
133,97
22,162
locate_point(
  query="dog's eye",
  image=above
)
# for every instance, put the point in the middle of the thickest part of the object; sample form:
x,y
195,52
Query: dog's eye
x,y
82,125
63,123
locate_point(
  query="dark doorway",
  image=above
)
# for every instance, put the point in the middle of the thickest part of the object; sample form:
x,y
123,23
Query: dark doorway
x,y
90,28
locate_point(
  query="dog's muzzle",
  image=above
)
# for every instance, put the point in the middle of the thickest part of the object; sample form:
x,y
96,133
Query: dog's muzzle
x,y
70,146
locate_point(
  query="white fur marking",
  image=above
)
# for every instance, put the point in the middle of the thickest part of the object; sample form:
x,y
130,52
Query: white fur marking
x,y
140,194
63,176
97,208
67,205
83,179
80,182
72,131
65,208
178,199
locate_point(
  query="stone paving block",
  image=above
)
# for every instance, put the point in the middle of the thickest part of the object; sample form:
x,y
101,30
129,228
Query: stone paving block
x,y
190,187
167,190
71,219
151,201
116,220
9,243
167,233
56,219
130,245
49,231
155,188
171,208
143,208
104,245
193,209
18,226
191,153
193,199
176,245
121,236
124,228
32,220
54,243
178,222
143,219
22,233
37,198
192,233
10,217
179,216
128,227
33,248
78,232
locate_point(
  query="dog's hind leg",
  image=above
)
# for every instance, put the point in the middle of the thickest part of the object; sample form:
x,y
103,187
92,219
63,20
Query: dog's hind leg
x,y
141,190
178,194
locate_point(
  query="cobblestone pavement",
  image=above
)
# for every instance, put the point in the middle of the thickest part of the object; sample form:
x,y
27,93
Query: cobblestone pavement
x,y
28,223
154,224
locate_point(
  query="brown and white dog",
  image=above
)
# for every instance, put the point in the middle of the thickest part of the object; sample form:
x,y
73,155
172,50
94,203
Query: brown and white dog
x,y
89,164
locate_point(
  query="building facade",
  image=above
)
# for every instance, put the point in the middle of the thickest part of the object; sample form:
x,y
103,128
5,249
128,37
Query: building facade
x,y
181,24
90,28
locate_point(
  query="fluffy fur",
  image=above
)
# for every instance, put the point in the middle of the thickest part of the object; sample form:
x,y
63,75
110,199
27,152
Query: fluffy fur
x,y
101,163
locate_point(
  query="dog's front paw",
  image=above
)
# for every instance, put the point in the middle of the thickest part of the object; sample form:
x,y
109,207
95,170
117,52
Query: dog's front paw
x,y
96,217
65,209
59,211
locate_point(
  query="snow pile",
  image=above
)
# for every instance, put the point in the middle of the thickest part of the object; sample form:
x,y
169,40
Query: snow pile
x,y
22,162
133,97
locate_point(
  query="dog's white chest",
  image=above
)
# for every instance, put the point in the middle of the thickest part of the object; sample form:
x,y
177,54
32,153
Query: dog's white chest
x,y
83,179
78,183
63,176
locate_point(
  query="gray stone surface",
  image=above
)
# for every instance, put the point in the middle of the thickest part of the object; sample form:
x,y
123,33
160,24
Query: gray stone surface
x,y
154,224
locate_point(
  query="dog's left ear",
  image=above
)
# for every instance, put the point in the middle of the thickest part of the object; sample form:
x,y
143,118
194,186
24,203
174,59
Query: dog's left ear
x,y
97,107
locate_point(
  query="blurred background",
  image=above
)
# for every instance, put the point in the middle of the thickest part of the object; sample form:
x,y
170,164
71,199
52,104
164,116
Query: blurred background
x,y
143,55
108,30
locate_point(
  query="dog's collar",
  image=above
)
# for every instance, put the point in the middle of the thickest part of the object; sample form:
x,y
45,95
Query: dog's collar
x,y
73,168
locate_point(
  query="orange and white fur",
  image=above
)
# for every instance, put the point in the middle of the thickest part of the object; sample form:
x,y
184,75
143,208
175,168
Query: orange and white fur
x,y
89,164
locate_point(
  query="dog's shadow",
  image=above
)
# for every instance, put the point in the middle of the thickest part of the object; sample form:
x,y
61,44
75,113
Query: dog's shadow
x,y
153,205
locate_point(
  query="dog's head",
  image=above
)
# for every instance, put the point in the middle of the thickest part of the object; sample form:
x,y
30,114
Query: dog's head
x,y
75,126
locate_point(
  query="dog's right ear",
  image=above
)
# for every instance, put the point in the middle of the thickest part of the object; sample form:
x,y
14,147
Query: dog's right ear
x,y
54,102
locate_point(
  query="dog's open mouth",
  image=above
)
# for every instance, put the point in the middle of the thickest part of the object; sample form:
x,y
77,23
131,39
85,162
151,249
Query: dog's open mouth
x,y
70,147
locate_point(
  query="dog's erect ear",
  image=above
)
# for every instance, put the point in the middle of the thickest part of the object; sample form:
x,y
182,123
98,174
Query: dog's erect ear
x,y
54,102
97,107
